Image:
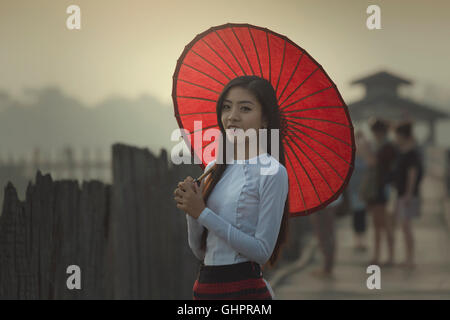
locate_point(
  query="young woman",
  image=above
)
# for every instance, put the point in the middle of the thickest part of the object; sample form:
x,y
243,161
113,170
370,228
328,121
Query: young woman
x,y
238,218
384,159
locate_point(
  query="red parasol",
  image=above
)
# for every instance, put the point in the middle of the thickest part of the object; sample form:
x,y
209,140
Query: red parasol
x,y
317,132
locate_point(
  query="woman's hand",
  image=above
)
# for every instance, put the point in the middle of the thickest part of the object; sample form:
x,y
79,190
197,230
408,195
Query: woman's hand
x,y
189,197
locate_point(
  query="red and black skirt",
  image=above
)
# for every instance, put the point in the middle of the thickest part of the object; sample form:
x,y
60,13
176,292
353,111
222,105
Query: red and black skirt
x,y
231,282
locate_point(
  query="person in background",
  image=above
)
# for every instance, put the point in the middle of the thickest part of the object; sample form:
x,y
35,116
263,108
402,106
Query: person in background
x,y
362,158
407,176
323,223
385,154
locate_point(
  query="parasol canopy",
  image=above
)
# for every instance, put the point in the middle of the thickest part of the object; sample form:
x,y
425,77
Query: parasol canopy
x,y
317,132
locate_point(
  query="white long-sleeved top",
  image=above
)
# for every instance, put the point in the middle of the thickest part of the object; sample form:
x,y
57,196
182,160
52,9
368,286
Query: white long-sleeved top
x,y
243,213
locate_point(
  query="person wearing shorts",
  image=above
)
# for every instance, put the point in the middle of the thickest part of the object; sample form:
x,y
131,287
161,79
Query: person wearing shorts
x,y
407,177
385,155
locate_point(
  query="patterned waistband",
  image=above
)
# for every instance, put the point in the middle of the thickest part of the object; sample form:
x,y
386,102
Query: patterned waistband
x,y
229,272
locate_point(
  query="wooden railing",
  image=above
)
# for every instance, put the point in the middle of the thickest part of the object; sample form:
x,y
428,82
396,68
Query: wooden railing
x,y
128,238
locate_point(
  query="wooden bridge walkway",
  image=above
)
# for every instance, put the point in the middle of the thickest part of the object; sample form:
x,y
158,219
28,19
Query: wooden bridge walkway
x,y
429,280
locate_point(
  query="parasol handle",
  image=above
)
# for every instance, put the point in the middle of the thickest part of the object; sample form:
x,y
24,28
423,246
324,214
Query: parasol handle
x,y
199,179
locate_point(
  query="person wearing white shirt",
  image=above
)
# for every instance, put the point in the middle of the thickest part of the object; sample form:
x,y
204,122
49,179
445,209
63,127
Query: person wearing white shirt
x,y
237,217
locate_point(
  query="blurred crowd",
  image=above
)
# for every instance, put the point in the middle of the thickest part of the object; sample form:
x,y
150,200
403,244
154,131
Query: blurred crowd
x,y
383,190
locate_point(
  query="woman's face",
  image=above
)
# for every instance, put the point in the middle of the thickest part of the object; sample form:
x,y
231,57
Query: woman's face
x,y
242,110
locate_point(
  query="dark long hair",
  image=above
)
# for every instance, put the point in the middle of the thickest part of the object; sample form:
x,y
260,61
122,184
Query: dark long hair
x,y
266,96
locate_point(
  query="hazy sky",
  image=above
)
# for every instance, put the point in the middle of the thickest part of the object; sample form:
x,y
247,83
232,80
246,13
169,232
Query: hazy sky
x,y
131,47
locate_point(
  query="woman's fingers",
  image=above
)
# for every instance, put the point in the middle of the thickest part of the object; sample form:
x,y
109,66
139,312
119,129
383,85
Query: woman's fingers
x,y
182,186
179,192
180,206
186,181
182,191
186,185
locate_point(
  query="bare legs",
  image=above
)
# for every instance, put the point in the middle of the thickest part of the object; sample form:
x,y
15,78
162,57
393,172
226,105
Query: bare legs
x,y
381,224
323,222
409,242
359,241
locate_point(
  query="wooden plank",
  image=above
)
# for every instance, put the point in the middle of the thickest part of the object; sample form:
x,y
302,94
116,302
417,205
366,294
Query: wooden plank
x,y
8,279
128,238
